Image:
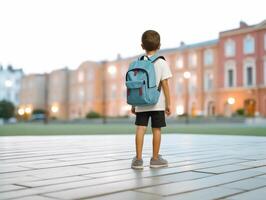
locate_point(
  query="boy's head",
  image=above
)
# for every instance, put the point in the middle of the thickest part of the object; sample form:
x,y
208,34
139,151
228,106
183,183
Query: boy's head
x,y
150,40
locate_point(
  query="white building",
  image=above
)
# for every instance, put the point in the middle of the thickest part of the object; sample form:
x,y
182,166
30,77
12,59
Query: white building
x,y
10,83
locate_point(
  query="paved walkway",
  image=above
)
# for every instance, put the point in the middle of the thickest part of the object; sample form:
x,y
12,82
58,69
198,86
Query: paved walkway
x,y
98,168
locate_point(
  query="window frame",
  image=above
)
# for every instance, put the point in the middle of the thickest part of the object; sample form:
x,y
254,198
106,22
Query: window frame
x,y
246,50
227,45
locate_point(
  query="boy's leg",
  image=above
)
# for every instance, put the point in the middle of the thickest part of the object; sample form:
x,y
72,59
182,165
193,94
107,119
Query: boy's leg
x,y
158,121
139,138
156,142
142,119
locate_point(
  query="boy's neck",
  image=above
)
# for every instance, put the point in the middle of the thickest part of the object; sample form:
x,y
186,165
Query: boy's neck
x,y
151,53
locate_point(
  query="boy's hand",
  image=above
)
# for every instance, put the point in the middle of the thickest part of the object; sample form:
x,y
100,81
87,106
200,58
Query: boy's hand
x,y
168,110
133,110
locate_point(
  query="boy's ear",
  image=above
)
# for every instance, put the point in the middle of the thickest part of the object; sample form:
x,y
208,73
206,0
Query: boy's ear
x,y
159,46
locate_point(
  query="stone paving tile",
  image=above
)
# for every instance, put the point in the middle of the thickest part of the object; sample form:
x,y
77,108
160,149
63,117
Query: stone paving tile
x,y
128,195
224,168
53,181
206,194
73,167
35,197
109,188
247,184
258,194
6,188
187,186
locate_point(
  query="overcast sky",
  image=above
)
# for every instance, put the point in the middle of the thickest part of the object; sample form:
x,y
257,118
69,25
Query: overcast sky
x,y
42,35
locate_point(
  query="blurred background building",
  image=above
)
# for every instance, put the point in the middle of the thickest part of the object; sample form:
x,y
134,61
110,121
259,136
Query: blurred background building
x,y
10,84
33,93
212,78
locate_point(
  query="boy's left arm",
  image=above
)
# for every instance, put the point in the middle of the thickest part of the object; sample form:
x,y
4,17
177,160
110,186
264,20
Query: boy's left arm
x,y
166,91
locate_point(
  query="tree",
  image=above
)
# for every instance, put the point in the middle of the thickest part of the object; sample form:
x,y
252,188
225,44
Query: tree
x,y
7,109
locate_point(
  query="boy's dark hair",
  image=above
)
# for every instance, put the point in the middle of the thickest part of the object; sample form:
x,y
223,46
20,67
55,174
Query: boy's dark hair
x,y
150,40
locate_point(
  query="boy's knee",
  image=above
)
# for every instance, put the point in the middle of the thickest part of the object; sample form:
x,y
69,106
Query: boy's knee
x,y
142,128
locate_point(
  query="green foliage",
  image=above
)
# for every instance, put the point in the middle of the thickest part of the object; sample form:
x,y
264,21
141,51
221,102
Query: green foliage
x,y
7,109
92,115
38,111
240,112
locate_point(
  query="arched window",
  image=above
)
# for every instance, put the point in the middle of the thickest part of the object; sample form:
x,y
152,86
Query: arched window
x,y
229,48
208,81
249,73
249,44
230,74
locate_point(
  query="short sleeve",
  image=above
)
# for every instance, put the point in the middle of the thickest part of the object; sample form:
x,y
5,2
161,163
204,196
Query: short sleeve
x,y
166,71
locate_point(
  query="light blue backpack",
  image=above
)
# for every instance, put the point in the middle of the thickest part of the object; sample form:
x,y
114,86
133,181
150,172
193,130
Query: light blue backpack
x,y
141,82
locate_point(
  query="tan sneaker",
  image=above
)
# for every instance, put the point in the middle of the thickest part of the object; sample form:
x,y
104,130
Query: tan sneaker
x,y
137,164
160,162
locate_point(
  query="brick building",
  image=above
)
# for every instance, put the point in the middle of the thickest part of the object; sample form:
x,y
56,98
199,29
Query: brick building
x,y
216,77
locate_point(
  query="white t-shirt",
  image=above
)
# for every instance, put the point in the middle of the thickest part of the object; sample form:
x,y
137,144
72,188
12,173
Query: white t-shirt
x,y
162,71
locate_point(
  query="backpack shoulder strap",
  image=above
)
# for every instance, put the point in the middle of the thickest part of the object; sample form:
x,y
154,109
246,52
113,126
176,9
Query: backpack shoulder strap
x,y
159,57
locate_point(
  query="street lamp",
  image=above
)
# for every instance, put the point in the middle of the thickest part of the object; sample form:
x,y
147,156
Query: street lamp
x,y
186,76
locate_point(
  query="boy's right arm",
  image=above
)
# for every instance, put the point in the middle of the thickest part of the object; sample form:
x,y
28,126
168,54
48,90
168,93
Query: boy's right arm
x,y
166,91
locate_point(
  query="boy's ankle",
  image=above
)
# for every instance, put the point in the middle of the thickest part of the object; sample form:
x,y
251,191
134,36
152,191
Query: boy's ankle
x,y
155,157
138,158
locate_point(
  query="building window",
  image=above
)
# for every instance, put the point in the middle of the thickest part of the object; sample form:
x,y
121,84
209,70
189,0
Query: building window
x,y
193,83
112,93
265,41
80,77
249,44
265,71
112,70
230,74
90,92
229,48
179,62
179,85
208,57
192,59
208,81
90,74
230,78
249,73
81,94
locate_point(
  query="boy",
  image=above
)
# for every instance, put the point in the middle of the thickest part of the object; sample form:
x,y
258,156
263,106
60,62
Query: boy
x,y
151,44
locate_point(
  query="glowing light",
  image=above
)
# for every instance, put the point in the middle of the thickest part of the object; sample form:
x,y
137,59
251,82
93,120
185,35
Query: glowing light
x,y
54,109
8,83
28,110
21,111
179,110
111,69
231,100
187,75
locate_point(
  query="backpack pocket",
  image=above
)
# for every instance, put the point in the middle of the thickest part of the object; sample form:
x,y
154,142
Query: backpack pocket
x,y
136,92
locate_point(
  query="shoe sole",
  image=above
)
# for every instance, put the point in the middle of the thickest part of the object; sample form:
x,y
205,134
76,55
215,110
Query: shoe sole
x,y
137,167
158,166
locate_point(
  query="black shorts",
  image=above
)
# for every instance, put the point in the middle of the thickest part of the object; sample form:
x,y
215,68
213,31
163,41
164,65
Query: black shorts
x,y
157,119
